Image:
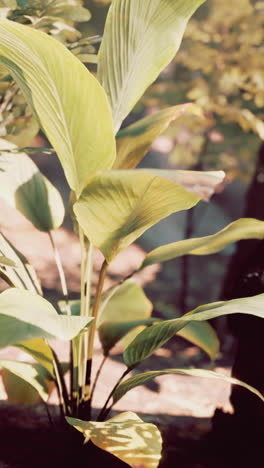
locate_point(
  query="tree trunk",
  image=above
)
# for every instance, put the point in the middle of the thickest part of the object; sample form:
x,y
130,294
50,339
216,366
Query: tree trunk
x,y
243,431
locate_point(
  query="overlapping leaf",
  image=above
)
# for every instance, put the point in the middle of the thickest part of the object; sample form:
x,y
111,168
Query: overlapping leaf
x,y
244,228
24,187
25,316
158,334
126,436
116,207
141,379
134,141
141,37
67,100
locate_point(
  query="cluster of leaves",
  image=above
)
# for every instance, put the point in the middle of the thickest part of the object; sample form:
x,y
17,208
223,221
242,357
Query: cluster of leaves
x,y
112,204
57,18
220,67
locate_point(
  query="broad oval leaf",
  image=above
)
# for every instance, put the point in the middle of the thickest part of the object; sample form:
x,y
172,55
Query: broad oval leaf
x,y
126,436
33,374
158,334
127,302
24,316
141,37
123,308
67,100
244,228
24,275
24,187
117,207
141,379
133,142
112,332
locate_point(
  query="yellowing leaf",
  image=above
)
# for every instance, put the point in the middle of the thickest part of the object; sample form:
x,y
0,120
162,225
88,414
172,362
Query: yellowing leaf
x,y
141,37
244,228
126,436
24,187
134,141
116,207
67,100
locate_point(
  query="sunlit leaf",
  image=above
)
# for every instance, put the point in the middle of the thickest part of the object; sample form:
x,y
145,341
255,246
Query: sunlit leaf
x,y
158,334
24,187
202,183
24,275
141,37
25,316
244,228
141,379
133,142
33,374
67,100
126,436
116,207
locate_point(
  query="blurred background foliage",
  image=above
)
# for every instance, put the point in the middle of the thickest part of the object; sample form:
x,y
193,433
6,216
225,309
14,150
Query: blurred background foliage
x,y
220,66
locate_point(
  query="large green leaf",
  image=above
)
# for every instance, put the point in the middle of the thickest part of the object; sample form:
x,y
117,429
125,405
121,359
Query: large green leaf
x,y
141,37
24,316
123,308
67,100
127,302
141,379
24,187
33,374
126,436
117,207
244,228
133,142
112,332
24,275
158,334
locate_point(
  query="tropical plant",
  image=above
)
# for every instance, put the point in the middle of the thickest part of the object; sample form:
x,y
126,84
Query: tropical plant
x,y
112,204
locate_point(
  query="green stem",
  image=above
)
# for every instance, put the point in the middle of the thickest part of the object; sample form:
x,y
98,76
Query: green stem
x,y
61,385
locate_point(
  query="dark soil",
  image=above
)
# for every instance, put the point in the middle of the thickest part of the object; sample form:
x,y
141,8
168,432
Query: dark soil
x,y
28,440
